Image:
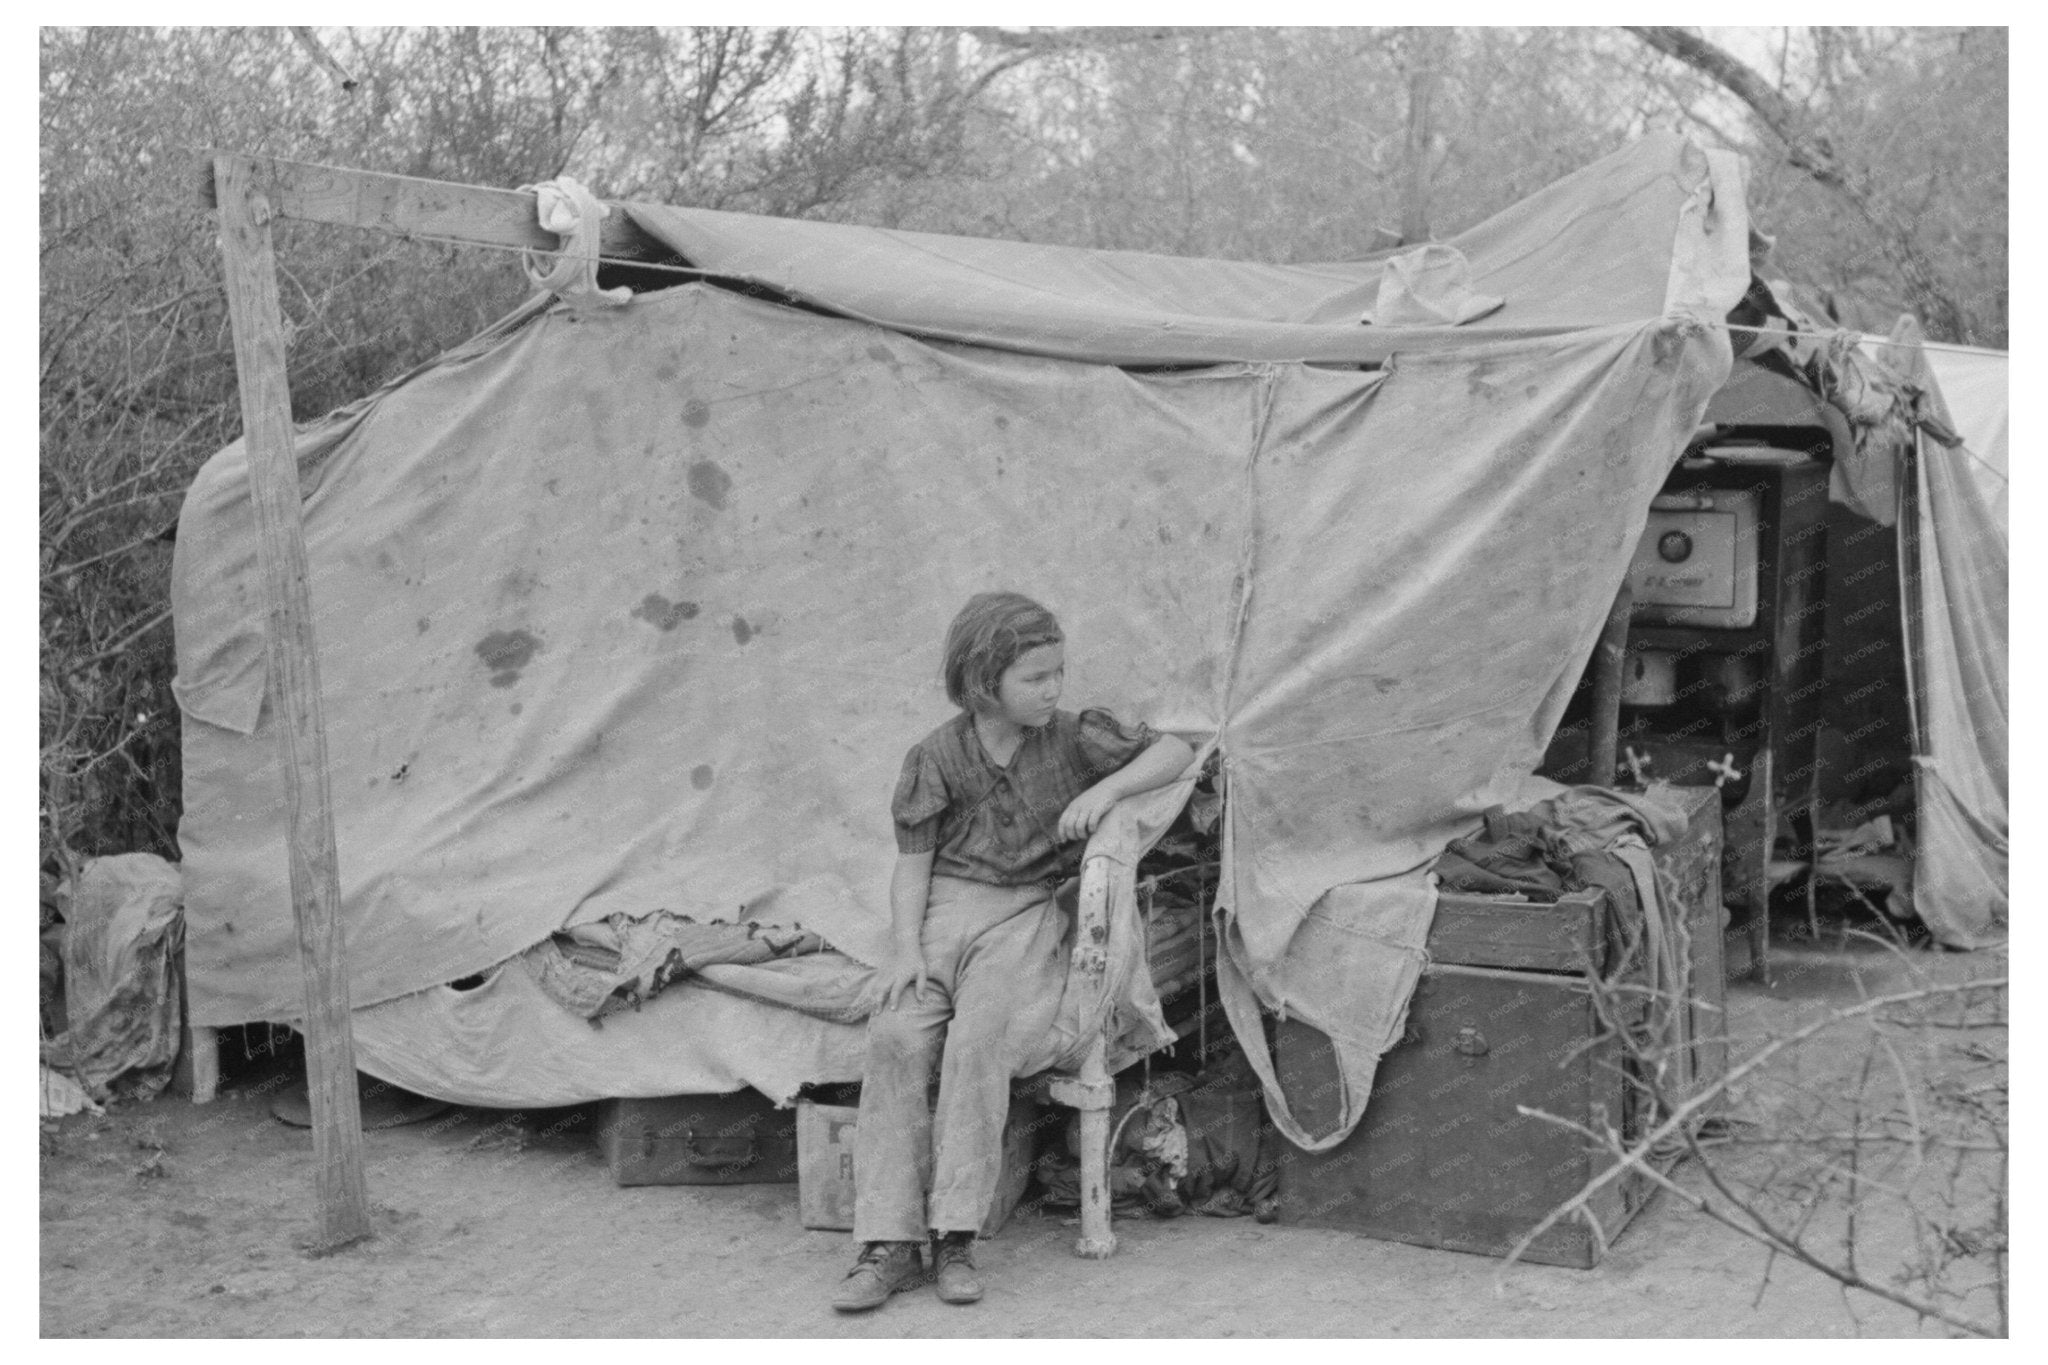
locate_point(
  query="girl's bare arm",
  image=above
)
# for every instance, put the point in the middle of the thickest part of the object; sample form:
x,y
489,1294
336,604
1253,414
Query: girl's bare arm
x,y
1162,761
910,887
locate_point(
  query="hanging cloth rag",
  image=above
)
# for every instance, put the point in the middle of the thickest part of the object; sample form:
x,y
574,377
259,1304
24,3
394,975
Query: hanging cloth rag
x,y
124,969
574,214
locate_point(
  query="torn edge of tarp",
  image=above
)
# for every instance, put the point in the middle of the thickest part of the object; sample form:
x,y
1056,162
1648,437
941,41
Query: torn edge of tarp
x,y
1711,246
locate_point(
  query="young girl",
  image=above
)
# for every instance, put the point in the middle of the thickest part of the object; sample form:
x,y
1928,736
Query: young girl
x,y
992,812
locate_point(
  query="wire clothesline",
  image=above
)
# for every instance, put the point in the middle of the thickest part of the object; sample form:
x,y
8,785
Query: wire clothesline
x,y
1989,467
671,268
1951,346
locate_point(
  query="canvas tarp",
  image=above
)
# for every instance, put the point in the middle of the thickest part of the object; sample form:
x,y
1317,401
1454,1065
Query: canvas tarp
x,y
1913,465
1629,237
1895,398
1958,634
639,608
1976,389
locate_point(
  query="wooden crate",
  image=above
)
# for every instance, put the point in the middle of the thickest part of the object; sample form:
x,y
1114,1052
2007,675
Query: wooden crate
x,y
1538,936
735,1139
825,1172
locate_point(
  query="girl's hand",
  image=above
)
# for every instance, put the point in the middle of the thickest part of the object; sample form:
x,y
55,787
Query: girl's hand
x,y
903,977
1079,820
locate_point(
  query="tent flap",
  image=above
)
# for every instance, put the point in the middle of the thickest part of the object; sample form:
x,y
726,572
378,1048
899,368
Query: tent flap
x,y
1958,671
1416,626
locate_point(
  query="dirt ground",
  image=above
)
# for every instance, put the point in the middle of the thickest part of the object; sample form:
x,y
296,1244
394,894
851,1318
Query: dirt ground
x,y
170,1219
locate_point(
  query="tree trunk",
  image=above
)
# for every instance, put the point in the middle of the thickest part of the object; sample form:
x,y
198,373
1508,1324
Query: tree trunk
x,y
1425,74
1812,151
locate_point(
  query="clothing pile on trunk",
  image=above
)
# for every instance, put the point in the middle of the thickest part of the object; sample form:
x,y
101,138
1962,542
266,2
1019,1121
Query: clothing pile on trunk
x,y
1589,838
1585,838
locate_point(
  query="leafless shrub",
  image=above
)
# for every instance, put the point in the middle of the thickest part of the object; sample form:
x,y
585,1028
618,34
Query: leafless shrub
x,y
1256,142
136,364
1869,1143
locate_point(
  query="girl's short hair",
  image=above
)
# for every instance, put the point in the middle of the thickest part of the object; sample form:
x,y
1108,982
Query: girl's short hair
x,y
992,631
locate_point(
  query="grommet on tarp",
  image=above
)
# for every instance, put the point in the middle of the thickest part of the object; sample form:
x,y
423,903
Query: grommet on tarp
x,y
574,214
1430,286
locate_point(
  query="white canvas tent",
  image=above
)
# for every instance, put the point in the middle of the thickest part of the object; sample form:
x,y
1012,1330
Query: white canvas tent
x,y
638,607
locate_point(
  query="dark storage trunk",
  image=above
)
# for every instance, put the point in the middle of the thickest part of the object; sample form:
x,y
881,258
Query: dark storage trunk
x,y
1444,1157
735,1139
1502,1020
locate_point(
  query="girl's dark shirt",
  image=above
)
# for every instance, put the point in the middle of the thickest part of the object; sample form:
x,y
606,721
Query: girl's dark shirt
x,y
997,825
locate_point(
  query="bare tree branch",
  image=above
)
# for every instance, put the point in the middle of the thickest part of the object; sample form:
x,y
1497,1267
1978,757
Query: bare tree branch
x,y
1037,40
323,58
1880,1168
1811,150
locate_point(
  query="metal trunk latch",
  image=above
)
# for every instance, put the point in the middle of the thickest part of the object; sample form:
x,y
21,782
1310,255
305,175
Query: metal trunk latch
x,y
1470,1043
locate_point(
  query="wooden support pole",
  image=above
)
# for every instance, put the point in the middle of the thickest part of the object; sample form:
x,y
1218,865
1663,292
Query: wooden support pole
x,y
197,1071
1097,1240
250,268
205,1064
1609,657
1762,779
1906,523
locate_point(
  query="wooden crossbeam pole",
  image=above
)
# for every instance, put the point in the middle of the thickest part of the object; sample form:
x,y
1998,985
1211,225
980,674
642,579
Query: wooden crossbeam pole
x,y
250,267
408,206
